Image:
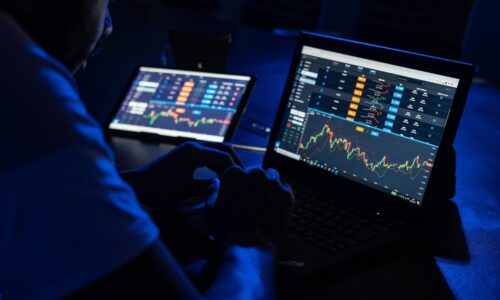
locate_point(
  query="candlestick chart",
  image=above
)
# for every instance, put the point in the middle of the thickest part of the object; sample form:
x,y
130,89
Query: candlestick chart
x,y
198,120
364,153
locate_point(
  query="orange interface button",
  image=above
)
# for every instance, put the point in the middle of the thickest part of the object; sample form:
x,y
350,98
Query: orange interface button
x,y
189,83
360,129
360,86
361,79
351,113
355,99
353,106
358,92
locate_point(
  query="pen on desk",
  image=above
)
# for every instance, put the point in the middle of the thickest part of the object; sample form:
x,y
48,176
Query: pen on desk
x,y
249,148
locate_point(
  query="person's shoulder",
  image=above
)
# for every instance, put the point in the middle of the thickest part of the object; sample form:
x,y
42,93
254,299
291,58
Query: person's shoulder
x,y
43,110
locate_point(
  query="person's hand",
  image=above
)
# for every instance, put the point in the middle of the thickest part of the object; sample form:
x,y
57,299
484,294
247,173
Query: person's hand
x,y
252,208
169,179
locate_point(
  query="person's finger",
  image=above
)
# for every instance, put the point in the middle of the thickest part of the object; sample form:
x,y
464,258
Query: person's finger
x,y
284,202
216,160
277,186
230,182
273,174
256,172
259,186
288,189
257,177
233,173
201,187
228,202
203,173
281,194
274,217
225,148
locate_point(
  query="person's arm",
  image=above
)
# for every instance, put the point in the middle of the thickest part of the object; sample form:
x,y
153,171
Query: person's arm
x,y
153,274
244,273
249,220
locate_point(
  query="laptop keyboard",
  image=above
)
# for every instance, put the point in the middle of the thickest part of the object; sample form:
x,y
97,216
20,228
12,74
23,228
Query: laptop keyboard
x,y
333,225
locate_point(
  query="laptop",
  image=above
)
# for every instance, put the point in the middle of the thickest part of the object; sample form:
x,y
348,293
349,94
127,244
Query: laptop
x,y
361,135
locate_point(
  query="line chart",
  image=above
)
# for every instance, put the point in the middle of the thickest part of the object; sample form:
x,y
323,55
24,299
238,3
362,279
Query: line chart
x,y
410,167
154,116
366,154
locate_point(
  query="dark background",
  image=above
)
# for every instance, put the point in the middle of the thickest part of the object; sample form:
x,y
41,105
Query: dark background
x,y
461,253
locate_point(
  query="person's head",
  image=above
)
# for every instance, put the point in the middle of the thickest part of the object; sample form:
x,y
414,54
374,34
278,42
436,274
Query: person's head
x,y
67,29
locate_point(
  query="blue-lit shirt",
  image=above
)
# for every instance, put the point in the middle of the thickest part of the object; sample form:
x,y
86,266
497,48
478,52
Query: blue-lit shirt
x,y
66,217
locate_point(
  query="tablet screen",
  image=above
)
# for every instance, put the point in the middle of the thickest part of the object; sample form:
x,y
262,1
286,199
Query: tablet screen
x,y
183,104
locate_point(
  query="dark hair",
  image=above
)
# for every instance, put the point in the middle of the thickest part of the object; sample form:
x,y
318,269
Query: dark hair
x,y
16,6
20,10
63,28
33,16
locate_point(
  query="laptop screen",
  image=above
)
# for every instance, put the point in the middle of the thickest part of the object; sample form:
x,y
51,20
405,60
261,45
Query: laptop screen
x,y
374,123
176,103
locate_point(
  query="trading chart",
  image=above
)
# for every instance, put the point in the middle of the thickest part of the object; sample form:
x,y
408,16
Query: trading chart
x,y
366,155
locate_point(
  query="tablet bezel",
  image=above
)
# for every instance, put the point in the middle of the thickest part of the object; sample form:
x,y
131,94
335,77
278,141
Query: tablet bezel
x,y
240,110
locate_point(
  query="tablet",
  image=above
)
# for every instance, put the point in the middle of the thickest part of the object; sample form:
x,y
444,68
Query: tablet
x,y
178,105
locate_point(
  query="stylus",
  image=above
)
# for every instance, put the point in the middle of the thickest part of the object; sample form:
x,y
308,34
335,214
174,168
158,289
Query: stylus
x,y
249,148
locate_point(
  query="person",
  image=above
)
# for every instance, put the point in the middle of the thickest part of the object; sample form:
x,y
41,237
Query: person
x,y
70,224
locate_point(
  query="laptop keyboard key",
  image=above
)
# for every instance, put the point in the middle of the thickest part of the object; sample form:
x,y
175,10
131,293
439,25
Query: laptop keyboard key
x,y
324,230
365,235
333,225
303,221
313,226
299,211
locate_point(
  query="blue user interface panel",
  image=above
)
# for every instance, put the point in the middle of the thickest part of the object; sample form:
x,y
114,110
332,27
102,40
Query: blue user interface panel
x,y
185,104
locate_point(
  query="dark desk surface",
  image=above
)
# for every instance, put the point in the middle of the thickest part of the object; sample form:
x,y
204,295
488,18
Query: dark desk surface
x,y
139,38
